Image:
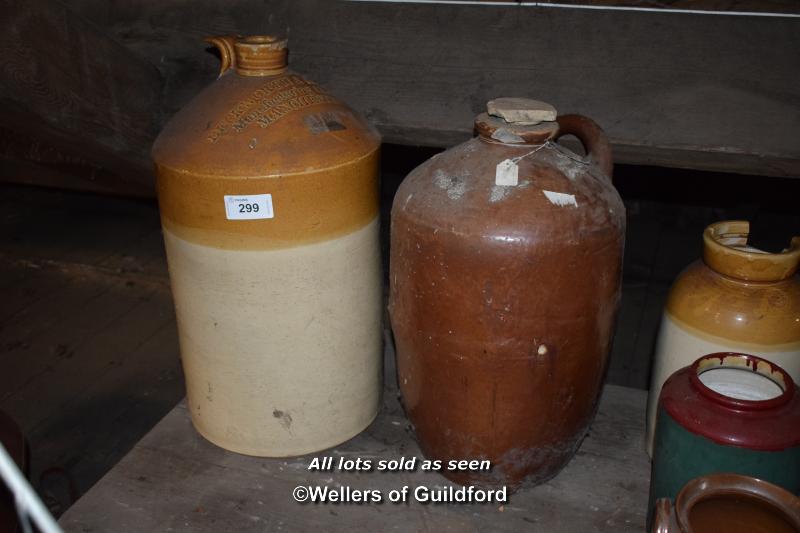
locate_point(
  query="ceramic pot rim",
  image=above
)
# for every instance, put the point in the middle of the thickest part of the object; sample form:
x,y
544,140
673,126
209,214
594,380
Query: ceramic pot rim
x,y
743,264
743,362
723,484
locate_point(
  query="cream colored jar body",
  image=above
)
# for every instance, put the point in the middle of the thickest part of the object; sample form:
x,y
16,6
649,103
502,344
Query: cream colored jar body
x,y
280,345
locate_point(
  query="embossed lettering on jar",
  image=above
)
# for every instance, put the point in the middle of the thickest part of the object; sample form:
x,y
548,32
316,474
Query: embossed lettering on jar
x,y
504,283
267,187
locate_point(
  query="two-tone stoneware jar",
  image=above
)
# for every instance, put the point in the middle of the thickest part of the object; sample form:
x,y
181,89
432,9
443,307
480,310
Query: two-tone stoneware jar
x,y
729,503
504,284
727,412
736,298
268,190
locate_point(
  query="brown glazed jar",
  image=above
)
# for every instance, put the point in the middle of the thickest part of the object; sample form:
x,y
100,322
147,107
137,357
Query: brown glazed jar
x,y
268,191
503,298
732,503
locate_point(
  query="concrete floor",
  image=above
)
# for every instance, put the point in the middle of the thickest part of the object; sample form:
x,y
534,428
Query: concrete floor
x,y
88,346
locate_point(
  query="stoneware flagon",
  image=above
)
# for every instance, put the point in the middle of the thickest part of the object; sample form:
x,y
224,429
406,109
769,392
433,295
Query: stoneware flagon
x,y
727,412
504,285
736,298
730,503
268,190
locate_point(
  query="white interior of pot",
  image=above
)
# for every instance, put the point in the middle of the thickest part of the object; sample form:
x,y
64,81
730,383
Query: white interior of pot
x,y
740,383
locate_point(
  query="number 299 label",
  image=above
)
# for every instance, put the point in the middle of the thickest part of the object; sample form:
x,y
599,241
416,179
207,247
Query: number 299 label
x,y
251,207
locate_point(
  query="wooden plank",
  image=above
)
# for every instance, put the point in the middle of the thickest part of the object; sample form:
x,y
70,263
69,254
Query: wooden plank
x,y
36,152
93,102
62,253
88,342
51,237
73,228
23,286
629,321
52,329
106,416
689,90
171,35
89,345
673,89
143,258
721,6
175,480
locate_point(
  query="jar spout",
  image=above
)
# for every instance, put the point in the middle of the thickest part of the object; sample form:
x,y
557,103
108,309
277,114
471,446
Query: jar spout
x,y
725,251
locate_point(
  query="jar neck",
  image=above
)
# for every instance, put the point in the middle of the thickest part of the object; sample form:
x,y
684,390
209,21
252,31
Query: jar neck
x,y
261,55
253,56
725,251
497,130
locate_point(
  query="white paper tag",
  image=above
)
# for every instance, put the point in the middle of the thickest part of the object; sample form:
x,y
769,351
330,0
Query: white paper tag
x,y
507,173
250,207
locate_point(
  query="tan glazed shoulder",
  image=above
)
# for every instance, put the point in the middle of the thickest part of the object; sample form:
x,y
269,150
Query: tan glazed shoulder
x,y
763,313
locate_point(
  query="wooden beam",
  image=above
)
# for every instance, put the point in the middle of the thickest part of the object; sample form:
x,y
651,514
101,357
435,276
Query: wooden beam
x,y
716,92
70,94
692,90
171,33
720,6
35,152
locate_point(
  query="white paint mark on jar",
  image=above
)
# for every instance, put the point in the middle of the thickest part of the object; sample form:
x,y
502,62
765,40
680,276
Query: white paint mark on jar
x,y
542,350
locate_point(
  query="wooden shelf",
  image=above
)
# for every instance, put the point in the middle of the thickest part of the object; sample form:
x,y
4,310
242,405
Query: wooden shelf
x,y
174,480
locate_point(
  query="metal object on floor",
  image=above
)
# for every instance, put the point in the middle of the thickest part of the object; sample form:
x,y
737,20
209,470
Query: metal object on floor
x,y
29,507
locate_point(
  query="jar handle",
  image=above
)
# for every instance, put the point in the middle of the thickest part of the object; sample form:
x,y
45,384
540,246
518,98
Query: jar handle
x,y
592,137
224,44
661,516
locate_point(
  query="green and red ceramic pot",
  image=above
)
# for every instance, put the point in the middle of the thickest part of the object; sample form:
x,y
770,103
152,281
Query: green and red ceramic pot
x,y
727,412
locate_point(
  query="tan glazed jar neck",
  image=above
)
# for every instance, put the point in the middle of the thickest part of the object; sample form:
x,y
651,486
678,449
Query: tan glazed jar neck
x,y
725,251
255,55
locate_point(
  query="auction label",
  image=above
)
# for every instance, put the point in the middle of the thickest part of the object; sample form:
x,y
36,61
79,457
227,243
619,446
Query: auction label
x,y
250,207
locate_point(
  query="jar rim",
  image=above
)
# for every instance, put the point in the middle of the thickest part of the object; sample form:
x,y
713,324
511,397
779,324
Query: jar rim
x,y
743,362
725,251
730,484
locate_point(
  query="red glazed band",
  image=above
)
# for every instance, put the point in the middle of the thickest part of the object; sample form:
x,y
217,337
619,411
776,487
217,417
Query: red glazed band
x,y
766,425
